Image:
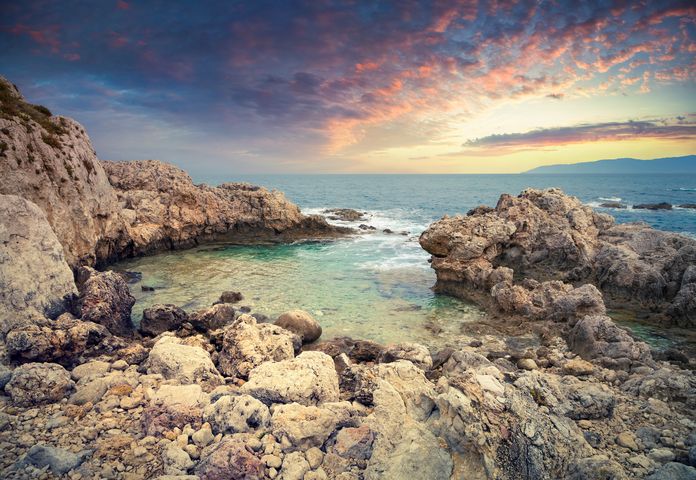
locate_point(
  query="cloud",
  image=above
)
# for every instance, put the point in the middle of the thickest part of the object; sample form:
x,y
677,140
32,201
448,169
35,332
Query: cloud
x,y
677,128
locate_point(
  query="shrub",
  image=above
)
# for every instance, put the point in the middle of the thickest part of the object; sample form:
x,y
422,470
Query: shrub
x,y
51,140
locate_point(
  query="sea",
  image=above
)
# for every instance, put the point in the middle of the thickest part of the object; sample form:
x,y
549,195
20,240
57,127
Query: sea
x,y
378,285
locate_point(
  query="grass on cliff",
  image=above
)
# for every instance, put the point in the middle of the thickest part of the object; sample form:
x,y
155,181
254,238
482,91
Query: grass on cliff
x,y
13,107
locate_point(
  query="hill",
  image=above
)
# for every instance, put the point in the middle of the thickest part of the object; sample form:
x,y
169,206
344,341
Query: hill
x,y
686,164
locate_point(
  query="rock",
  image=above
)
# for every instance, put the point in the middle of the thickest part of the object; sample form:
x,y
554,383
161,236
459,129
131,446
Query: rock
x,y
355,442
203,437
176,460
308,379
106,300
5,376
627,440
314,457
653,206
39,383
413,352
35,280
597,337
162,318
217,316
94,368
673,471
661,455
189,396
578,367
666,384
598,467
59,461
231,297
612,205
63,341
303,426
91,392
526,364
227,459
344,214
158,419
687,205
300,323
294,467
589,402
184,363
237,414
247,344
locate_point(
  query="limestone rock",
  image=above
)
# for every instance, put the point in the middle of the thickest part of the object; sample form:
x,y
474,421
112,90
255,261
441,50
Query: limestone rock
x,y
303,426
184,363
413,352
237,414
295,466
209,319
39,383
308,379
355,442
300,323
106,300
673,471
59,461
247,344
35,280
188,396
176,460
230,458
161,318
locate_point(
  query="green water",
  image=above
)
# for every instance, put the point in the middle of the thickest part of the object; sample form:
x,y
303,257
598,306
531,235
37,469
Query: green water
x,y
342,283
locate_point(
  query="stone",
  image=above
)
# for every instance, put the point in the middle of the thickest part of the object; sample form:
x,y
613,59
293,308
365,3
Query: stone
x,y
301,324
59,461
229,459
295,466
39,383
598,467
184,363
413,352
203,437
91,392
247,344
105,299
119,365
213,318
661,455
94,368
355,442
578,367
162,318
526,364
314,457
237,414
5,376
176,460
231,297
303,426
35,280
308,379
189,396
673,471
627,440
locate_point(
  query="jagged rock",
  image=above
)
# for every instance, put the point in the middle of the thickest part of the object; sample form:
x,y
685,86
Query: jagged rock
x,y
237,414
413,352
544,234
300,323
62,341
105,299
230,458
59,461
35,280
184,363
667,384
39,383
247,344
596,337
212,318
344,214
162,318
308,379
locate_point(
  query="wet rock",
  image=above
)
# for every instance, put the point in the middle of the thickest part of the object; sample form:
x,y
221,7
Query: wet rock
x,y
237,414
230,458
39,383
344,214
231,297
162,318
300,323
653,206
184,363
35,280
308,379
59,461
217,316
63,341
612,205
413,352
106,300
247,344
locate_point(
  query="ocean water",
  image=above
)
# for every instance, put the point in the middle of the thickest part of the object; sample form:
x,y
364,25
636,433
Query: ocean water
x,y
377,285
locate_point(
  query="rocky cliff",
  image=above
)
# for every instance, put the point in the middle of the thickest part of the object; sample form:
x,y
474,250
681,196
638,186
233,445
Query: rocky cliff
x,y
547,235
103,211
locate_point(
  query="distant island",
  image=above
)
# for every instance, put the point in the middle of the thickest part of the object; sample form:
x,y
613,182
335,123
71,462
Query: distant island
x,y
686,164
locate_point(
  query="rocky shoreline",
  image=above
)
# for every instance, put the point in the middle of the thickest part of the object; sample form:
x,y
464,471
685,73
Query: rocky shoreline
x,y
553,389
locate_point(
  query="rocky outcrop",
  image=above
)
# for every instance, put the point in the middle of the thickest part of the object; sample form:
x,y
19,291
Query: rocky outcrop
x,y
35,281
163,209
105,299
547,235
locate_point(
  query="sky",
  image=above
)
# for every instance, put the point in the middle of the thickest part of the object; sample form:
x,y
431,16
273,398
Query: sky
x,y
325,86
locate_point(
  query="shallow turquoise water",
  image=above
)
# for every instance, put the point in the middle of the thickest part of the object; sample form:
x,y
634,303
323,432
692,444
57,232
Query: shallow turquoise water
x,y
377,285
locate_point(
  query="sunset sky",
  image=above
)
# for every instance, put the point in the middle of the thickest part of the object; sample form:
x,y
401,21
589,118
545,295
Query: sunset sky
x,y
322,86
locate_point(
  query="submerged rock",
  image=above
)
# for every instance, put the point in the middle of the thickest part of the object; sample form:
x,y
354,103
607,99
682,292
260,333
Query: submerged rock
x,y
654,206
345,214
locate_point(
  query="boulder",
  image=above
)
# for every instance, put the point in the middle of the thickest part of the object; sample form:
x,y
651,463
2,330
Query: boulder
x,y
231,297
344,214
105,299
161,318
213,318
230,458
35,280
308,379
59,461
355,442
39,383
301,324
413,352
653,206
295,467
237,414
183,363
247,344
188,396
300,427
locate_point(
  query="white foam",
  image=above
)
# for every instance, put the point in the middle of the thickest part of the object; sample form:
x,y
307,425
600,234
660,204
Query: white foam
x,y
611,199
